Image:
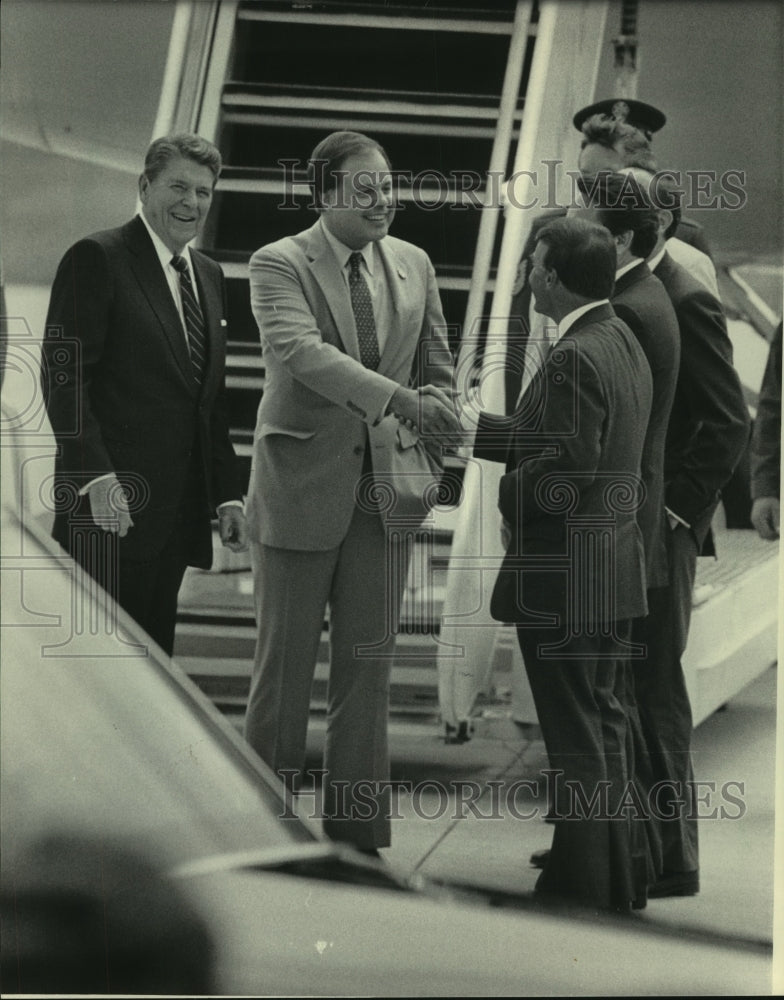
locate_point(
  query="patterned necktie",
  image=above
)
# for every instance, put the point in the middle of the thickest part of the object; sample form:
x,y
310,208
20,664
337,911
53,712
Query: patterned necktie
x,y
194,319
363,314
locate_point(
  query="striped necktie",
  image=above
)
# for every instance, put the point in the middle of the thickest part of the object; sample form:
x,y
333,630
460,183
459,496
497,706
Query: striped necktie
x,y
194,319
363,314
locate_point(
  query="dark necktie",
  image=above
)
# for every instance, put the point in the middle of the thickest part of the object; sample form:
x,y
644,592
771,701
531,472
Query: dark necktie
x,y
363,314
194,319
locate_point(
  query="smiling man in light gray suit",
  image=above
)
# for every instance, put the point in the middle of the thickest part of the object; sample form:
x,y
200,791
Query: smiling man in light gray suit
x,y
356,361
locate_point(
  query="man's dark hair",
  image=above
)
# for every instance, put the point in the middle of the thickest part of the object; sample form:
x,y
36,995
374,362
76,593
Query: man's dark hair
x,y
667,194
330,154
664,190
622,206
582,254
630,143
185,144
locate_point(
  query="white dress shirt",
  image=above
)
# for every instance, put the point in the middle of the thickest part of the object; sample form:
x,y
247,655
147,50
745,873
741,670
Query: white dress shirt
x,y
172,274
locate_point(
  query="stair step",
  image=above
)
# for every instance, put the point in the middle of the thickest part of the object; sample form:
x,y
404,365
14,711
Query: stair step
x,y
290,99
363,119
235,672
278,94
490,18
214,641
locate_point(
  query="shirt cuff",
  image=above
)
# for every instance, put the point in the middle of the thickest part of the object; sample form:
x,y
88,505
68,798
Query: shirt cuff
x,y
86,489
675,520
230,503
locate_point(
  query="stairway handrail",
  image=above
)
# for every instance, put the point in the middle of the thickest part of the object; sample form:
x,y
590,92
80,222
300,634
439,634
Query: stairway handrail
x,y
488,223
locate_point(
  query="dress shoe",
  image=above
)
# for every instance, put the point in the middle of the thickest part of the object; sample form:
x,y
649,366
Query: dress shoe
x,y
539,858
370,852
675,884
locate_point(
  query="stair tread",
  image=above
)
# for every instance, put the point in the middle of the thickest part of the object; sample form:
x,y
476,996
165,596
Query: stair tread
x,y
240,91
490,17
241,668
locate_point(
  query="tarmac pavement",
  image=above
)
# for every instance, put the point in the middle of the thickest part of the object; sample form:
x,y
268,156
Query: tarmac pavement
x,y
462,811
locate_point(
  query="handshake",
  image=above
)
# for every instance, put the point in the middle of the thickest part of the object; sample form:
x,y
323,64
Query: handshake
x,y
433,412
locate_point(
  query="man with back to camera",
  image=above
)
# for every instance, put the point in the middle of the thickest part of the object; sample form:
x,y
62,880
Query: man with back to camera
x,y
577,435
620,204
354,345
132,372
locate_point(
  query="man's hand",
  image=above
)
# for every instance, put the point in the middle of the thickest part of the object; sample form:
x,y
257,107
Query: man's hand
x,y
109,506
765,515
431,410
233,528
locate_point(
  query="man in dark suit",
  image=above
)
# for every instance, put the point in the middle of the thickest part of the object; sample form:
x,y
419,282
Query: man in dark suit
x,y
571,449
353,338
706,436
620,204
133,377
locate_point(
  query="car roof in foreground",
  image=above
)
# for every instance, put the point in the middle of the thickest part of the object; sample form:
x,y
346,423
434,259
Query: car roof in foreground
x,y
101,731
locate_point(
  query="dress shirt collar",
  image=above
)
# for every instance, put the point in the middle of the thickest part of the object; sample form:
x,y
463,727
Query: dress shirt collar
x,y
627,267
653,262
571,318
164,253
342,252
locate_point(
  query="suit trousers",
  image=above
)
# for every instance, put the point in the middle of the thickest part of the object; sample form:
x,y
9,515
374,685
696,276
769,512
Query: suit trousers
x,y
579,701
362,581
147,589
664,763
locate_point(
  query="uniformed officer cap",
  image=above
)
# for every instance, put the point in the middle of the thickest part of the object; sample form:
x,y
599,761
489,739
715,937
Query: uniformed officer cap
x,y
635,113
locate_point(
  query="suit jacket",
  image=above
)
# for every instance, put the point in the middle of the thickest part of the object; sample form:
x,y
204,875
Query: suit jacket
x,y
642,303
766,437
120,393
709,423
321,406
572,455
691,232
698,264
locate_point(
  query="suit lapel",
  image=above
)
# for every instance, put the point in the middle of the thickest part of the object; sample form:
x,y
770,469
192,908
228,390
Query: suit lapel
x,y
152,281
325,269
396,273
